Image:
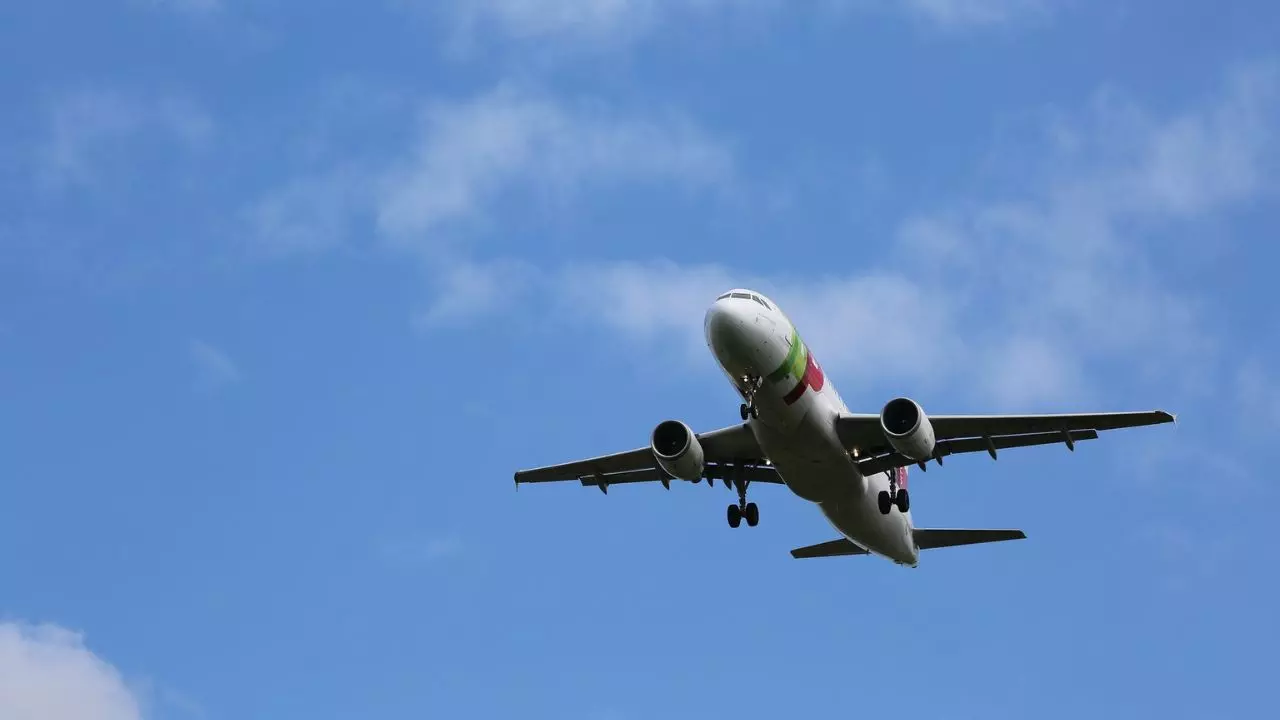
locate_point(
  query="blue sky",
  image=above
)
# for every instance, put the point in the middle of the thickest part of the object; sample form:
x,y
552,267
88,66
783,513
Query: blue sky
x,y
286,296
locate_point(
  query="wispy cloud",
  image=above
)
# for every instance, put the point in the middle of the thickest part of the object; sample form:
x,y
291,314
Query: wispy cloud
x,y
586,19
466,289
469,153
309,214
1021,295
47,673
604,24
955,14
214,368
195,7
87,128
1258,397
1018,297
471,159
418,550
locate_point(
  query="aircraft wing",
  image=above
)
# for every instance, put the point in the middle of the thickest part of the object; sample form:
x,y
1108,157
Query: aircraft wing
x,y
723,449
957,434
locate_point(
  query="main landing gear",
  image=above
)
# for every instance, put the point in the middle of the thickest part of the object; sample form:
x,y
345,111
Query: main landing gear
x,y
743,509
888,499
748,408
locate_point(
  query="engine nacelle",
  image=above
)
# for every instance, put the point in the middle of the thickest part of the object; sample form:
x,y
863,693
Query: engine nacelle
x,y
907,428
677,450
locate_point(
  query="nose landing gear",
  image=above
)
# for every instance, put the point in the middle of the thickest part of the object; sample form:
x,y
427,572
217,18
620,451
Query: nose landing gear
x,y
748,409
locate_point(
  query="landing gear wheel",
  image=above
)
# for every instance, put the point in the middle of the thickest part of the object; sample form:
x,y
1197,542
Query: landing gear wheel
x,y
752,514
903,501
744,411
735,516
885,502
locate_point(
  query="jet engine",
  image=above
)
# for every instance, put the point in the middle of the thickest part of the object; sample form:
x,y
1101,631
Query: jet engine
x,y
677,450
907,428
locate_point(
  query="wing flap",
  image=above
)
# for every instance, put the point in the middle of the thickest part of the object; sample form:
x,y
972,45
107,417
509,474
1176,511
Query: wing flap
x,y
931,538
892,460
655,474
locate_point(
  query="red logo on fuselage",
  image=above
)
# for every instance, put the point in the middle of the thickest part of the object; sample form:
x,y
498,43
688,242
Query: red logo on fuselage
x,y
812,378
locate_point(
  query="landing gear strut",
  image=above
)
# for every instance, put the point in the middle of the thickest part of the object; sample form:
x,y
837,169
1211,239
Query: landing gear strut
x,y
894,496
748,408
743,509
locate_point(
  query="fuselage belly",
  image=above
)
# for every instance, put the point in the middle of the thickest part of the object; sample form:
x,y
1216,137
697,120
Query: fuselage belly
x,y
758,347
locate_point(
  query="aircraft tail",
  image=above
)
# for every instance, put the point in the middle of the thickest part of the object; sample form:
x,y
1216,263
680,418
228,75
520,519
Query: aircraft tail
x,y
926,539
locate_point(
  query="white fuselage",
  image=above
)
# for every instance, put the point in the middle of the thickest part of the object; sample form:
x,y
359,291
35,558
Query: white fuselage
x,y
797,408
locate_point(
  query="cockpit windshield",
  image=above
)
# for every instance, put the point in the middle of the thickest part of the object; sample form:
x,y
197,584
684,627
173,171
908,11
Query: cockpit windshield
x,y
746,296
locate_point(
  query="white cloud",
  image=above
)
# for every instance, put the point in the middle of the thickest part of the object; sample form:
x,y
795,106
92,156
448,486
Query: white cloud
x,y
1018,298
417,550
881,327
87,128
611,23
648,302
1258,398
530,18
468,157
464,290
195,7
214,368
47,673
470,152
1186,165
309,214
966,13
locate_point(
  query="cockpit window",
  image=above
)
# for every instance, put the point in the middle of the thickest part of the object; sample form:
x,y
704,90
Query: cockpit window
x,y
746,296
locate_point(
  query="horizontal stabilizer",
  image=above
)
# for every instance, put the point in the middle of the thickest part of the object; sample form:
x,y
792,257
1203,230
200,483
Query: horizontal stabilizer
x,y
832,548
928,539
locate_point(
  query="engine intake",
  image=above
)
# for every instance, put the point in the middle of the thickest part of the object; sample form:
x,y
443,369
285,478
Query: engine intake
x,y
677,450
907,428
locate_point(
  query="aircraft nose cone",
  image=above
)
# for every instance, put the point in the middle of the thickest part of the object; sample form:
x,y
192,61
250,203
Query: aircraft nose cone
x,y
727,328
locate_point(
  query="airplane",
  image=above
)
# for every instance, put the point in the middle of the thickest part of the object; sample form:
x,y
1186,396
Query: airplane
x,y
798,432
